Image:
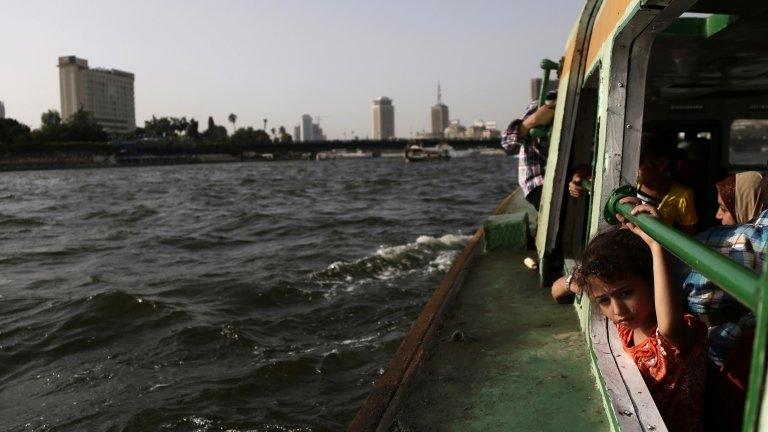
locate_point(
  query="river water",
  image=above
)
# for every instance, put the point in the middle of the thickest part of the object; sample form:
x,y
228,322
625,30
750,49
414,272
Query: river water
x,y
247,296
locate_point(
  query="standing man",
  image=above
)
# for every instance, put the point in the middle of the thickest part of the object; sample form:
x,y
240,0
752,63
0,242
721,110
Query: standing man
x,y
533,151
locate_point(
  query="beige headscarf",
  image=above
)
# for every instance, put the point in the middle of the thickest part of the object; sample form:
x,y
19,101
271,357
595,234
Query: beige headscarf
x,y
751,195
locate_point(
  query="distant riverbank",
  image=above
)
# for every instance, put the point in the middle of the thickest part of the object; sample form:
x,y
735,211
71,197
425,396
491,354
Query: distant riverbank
x,y
86,160
144,153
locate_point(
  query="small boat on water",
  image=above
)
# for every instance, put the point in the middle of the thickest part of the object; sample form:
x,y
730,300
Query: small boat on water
x,y
491,351
418,153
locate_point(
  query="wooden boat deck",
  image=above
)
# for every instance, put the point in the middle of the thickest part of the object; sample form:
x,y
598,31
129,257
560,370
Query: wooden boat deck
x,y
523,363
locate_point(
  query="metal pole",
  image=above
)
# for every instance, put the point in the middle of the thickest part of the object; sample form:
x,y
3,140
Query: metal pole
x,y
734,278
546,66
757,369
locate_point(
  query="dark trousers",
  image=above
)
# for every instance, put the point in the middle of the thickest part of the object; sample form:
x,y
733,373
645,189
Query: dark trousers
x,y
534,196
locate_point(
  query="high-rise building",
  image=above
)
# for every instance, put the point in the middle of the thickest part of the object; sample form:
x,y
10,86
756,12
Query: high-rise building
x,y
105,93
317,132
2,110
307,129
296,133
439,115
383,118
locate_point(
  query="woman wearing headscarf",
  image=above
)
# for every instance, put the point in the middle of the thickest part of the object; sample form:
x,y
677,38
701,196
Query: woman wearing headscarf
x,y
742,201
741,197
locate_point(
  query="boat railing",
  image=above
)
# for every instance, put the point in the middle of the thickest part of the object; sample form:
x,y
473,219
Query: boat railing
x,y
737,280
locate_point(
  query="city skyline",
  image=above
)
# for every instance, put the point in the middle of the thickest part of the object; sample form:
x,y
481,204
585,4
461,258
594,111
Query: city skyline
x,y
244,58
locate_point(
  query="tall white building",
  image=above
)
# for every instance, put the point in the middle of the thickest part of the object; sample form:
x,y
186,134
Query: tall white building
x,y
383,118
2,110
105,93
296,133
307,128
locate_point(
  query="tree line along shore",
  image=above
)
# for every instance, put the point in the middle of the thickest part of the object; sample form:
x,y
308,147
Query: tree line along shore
x,y
81,142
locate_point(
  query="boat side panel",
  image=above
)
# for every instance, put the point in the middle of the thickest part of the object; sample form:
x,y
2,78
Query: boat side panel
x,y
614,64
570,45
562,132
644,407
609,18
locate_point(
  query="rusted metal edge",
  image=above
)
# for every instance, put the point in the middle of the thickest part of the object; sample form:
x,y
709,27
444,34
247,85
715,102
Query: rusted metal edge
x,y
379,409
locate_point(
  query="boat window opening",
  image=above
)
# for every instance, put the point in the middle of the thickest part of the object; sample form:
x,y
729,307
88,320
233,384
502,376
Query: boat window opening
x,y
748,142
707,73
706,84
575,216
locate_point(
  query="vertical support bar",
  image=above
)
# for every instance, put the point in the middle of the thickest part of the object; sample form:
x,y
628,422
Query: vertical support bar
x,y
571,81
755,387
547,66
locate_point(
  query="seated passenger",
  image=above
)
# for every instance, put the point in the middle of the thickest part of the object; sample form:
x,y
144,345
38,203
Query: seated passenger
x,y
742,200
626,273
741,197
691,163
688,170
655,186
564,288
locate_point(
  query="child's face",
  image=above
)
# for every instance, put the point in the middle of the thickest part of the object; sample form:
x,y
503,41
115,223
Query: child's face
x,y
627,301
651,169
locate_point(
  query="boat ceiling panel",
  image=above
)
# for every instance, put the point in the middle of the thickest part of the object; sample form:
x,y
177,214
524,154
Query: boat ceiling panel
x,y
732,62
729,6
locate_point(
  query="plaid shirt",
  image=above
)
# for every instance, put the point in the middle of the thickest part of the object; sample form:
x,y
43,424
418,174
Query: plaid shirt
x,y
726,317
533,157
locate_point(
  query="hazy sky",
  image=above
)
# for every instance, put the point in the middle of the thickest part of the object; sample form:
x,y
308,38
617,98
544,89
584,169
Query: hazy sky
x,y
279,59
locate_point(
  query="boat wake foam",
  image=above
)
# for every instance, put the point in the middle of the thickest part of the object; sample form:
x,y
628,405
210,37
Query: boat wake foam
x,y
427,255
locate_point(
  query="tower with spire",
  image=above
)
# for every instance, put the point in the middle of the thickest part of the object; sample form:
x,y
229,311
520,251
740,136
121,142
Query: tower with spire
x,y
439,115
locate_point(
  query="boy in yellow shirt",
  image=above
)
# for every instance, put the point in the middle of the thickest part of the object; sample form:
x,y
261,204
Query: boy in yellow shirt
x,y
656,187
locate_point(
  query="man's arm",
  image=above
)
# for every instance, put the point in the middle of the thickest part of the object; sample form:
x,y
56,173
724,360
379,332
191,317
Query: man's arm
x,y
511,136
541,117
580,173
